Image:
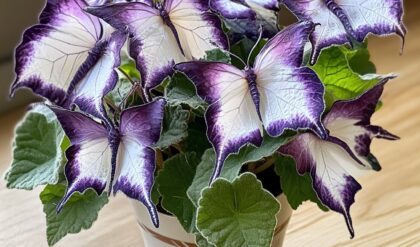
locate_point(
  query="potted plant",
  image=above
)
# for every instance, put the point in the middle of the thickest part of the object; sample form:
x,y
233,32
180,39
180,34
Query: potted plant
x,y
215,119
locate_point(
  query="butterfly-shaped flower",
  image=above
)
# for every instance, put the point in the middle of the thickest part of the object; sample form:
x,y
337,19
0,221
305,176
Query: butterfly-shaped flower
x,y
332,163
164,34
247,16
69,57
343,20
105,2
113,159
277,93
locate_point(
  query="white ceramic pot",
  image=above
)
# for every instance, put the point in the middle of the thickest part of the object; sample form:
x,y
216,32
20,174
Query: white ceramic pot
x,y
170,232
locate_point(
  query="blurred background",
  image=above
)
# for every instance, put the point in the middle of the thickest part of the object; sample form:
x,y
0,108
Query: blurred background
x,y
387,212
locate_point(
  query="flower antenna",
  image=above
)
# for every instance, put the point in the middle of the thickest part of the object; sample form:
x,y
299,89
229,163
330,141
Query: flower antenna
x,y
255,46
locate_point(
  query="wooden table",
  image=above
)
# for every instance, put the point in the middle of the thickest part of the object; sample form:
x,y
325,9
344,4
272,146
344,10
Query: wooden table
x,y
386,213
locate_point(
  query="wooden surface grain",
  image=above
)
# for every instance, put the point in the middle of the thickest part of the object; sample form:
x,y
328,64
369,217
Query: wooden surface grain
x,y
386,212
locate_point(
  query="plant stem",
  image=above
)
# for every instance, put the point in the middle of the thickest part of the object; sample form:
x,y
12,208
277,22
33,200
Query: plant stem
x,y
127,76
178,147
267,164
159,159
251,167
111,104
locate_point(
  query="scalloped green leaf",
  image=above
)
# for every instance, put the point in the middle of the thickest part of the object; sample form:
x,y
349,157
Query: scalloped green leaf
x,y
181,91
238,213
233,163
80,211
37,154
173,181
174,126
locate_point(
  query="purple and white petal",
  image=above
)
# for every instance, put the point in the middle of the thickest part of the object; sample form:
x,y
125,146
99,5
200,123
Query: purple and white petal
x,y
349,121
89,156
342,20
346,153
160,39
246,17
380,17
291,96
232,9
104,2
198,29
140,128
100,77
330,167
232,118
51,54
330,30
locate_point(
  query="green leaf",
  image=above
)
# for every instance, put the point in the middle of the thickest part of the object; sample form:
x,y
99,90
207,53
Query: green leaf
x,y
173,181
37,155
238,213
174,127
297,188
243,48
217,55
121,91
197,138
233,163
359,60
341,80
80,211
129,68
181,90
202,242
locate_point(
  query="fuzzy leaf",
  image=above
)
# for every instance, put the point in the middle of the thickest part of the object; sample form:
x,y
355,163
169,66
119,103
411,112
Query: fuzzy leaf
x,y
173,181
79,213
202,242
217,55
121,91
37,155
233,163
197,139
181,90
296,187
174,126
238,213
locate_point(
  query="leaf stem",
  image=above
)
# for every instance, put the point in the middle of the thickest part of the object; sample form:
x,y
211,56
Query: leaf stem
x,y
111,104
159,159
127,76
267,164
178,147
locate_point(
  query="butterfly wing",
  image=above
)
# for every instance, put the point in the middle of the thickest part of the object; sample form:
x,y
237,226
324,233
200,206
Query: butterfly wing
x,y
328,165
153,44
140,128
51,54
379,17
291,96
346,153
247,16
89,156
198,29
100,78
331,30
342,19
349,121
232,118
